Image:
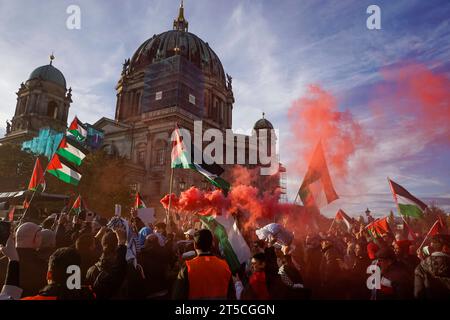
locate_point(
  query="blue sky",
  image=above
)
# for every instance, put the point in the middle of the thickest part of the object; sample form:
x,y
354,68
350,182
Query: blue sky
x,y
272,48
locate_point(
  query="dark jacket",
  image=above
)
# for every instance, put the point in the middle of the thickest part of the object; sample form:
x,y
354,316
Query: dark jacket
x,y
329,266
33,271
58,292
432,277
396,283
273,279
154,262
107,276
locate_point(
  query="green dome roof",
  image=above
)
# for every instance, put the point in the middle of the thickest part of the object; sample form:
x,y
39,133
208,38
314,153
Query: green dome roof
x,y
49,73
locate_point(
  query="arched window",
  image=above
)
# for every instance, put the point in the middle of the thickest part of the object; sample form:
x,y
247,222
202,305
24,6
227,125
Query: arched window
x,y
160,153
52,110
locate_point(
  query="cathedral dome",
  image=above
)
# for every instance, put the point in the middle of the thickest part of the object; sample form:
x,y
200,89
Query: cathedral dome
x,y
49,73
263,123
178,42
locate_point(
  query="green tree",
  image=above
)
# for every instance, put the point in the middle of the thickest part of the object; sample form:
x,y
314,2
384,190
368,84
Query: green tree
x,y
16,167
104,183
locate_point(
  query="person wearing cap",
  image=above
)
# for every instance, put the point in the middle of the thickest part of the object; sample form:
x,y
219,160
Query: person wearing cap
x,y
187,245
33,268
396,281
432,275
206,277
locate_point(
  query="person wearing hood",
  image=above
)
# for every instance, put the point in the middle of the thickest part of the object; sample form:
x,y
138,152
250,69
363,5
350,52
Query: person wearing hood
x,y
155,264
432,275
33,267
108,274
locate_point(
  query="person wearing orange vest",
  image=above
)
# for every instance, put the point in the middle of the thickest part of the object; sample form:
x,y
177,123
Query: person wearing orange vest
x,y
205,277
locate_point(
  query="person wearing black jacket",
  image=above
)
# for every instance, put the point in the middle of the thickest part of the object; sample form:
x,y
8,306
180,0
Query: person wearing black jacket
x,y
108,274
102,288
155,263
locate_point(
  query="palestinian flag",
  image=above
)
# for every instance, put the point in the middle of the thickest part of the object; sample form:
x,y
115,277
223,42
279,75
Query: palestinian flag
x,y
78,206
378,227
342,217
181,158
317,188
437,228
68,150
408,204
138,203
233,245
37,178
62,171
77,129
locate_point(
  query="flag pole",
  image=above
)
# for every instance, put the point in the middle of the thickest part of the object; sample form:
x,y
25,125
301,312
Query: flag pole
x,y
170,196
332,224
170,186
427,236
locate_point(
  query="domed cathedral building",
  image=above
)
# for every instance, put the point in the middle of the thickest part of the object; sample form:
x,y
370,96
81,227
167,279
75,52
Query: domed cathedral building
x,y
172,78
42,101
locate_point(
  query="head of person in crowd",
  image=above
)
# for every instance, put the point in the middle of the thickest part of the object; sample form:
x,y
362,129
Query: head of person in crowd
x,y
258,262
137,224
160,228
48,222
28,236
387,239
360,250
58,265
85,243
48,239
151,241
440,243
401,247
189,235
385,257
203,240
258,246
326,243
109,243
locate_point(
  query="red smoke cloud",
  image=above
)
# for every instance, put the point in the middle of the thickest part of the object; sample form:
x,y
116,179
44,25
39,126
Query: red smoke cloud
x,y
241,199
420,97
316,116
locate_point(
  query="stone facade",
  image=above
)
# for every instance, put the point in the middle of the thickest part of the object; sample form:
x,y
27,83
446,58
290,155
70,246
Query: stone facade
x,y
173,78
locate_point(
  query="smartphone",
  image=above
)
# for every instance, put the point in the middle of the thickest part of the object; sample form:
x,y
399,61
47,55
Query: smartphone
x,y
5,230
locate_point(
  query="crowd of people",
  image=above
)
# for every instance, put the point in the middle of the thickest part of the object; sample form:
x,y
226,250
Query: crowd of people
x,y
186,262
